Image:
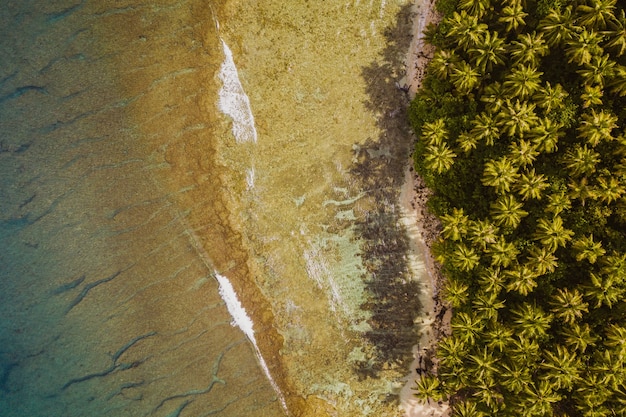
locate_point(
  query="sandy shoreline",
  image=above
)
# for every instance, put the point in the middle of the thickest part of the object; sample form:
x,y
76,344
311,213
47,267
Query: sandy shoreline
x,y
422,229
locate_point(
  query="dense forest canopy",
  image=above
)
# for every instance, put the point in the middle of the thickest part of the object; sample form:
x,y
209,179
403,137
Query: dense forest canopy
x,y
520,126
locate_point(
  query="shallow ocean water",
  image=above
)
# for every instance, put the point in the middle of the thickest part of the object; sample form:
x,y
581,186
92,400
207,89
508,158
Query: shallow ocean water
x,y
124,194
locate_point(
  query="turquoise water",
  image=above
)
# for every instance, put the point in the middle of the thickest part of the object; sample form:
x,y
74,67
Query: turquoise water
x,y
123,193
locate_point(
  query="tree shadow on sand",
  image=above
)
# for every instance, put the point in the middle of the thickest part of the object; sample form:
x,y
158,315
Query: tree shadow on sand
x,y
392,294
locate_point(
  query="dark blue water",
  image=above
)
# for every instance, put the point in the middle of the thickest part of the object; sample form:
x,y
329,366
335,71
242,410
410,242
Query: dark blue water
x,y
108,302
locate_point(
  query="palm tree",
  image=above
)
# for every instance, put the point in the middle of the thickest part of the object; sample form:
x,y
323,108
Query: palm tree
x,y
455,293
557,26
467,141
582,190
451,351
434,133
524,351
464,258
500,174
482,233
550,98
583,46
578,336
439,158
488,52
502,253
528,49
523,152
603,290
491,280
513,16
531,185
428,387
484,366
522,81
551,233
442,63
581,160
466,326
564,367
618,81
498,336
467,408
610,189
531,320
596,127
545,136
539,399
454,224
465,77
616,340
541,260
475,7
489,395
568,305
592,96
617,34
507,212
586,248
466,29
495,97
592,395
558,202
596,71
610,368
521,280
485,127
596,14
487,304
518,118
514,377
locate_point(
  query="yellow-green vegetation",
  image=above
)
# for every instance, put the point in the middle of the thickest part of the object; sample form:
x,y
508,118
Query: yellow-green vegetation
x,y
521,127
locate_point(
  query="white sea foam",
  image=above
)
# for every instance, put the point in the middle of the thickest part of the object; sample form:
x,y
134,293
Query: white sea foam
x,y
244,322
250,177
233,100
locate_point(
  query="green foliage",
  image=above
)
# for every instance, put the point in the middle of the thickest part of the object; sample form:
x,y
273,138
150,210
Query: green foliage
x,y
520,126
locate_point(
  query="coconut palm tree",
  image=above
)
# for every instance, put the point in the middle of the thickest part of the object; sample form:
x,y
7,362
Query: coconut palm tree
x,y
513,16
456,293
482,233
439,158
465,77
531,185
466,326
475,7
494,96
507,211
596,14
522,81
489,51
583,46
602,290
531,321
586,248
550,98
524,351
466,29
500,174
442,63
467,141
551,233
617,82
498,336
502,253
539,399
454,224
616,340
491,280
434,133
514,376
558,202
557,27
518,118
581,160
578,336
522,280
581,190
545,135
428,387
597,70
451,351
597,126
563,367
591,396
610,189
541,260
568,305
487,304
592,96
464,258
616,33
485,127
483,366
467,408
523,152
528,49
